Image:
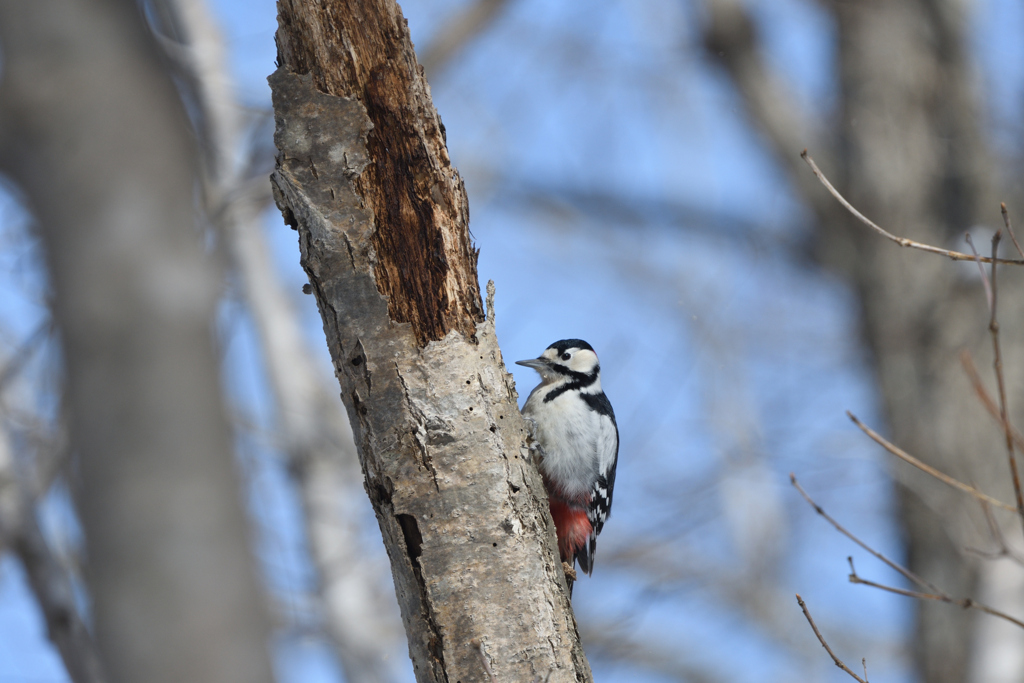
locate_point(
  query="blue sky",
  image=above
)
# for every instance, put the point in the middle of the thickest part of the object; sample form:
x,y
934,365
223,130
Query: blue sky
x,y
729,361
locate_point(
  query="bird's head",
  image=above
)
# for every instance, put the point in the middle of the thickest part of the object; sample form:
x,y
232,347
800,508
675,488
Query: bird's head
x,y
565,359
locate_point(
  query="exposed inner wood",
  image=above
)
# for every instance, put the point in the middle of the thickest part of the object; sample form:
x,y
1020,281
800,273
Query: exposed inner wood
x,y
425,262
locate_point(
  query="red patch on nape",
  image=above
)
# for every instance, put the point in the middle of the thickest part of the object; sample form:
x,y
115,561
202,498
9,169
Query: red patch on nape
x,y
573,529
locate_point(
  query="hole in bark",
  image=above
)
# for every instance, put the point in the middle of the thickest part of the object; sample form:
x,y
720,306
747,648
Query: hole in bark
x,y
495,545
413,538
357,404
494,428
471,409
357,361
467,381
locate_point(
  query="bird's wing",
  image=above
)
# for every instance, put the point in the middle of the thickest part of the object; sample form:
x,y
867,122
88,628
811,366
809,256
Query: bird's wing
x,y
600,506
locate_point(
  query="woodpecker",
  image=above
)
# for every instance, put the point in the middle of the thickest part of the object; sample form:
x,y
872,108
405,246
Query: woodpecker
x,y
578,442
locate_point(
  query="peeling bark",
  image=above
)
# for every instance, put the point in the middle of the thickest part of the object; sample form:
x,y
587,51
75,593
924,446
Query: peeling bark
x,y
364,175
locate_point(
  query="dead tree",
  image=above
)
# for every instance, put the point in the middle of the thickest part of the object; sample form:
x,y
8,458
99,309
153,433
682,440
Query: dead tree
x,y
363,174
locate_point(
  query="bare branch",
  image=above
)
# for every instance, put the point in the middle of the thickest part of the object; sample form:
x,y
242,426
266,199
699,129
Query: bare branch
x,y
1009,228
902,241
965,603
909,575
934,593
986,399
928,469
997,364
824,644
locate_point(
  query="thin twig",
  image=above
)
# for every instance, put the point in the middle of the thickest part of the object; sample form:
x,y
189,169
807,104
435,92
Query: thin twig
x,y
1009,228
821,639
997,364
933,593
479,645
986,399
907,574
965,603
928,469
902,241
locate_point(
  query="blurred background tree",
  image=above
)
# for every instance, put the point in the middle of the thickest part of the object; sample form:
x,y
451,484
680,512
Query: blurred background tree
x,y
634,177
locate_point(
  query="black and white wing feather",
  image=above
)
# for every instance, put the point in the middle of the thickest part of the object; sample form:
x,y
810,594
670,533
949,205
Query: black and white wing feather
x,y
607,451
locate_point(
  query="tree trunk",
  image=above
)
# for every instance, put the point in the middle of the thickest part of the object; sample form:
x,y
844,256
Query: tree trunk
x,y
364,175
96,136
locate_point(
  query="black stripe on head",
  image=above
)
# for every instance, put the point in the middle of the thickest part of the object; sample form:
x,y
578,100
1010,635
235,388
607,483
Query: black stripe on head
x,y
576,376
565,344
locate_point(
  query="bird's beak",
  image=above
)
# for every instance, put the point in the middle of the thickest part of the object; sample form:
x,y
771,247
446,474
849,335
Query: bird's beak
x,y
535,363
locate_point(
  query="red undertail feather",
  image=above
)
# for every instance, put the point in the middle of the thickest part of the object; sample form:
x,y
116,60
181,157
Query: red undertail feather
x,y
573,529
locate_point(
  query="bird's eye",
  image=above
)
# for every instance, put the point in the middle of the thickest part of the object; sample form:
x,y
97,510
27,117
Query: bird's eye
x,y
566,356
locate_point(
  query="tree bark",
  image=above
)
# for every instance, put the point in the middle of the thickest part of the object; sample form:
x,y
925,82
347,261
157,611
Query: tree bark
x,y
94,133
364,175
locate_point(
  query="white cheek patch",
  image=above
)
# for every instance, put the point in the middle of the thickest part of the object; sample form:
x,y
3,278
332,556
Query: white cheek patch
x,y
583,360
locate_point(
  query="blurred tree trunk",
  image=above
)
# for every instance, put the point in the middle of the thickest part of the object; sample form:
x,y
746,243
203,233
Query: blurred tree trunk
x,y
94,133
363,173
361,615
908,151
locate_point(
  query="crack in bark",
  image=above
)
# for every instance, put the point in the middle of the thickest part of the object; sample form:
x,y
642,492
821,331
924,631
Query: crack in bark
x,y
422,433
414,549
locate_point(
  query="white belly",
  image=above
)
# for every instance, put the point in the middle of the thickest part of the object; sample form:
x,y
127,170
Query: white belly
x,y
571,438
